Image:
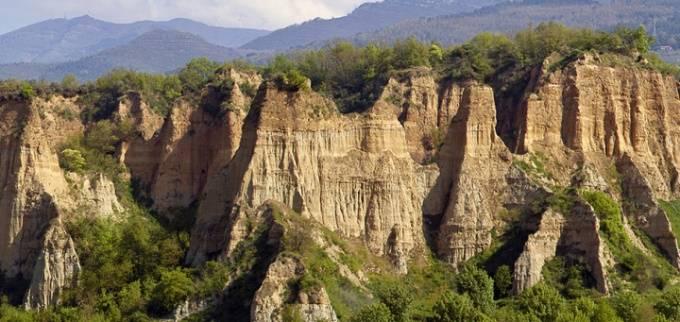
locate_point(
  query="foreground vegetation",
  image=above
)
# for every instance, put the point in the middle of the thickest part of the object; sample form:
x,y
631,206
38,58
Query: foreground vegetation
x,y
133,266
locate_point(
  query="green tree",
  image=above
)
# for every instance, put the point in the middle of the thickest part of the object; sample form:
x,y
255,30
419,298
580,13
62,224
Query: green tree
x,y
627,305
605,313
477,284
398,300
436,54
174,286
635,40
454,307
377,312
410,53
481,57
510,314
102,136
27,91
669,304
502,281
197,73
69,83
72,160
542,301
130,298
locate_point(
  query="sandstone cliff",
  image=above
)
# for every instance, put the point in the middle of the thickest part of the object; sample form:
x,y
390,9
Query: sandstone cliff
x,y
424,107
621,118
173,159
470,188
336,169
36,197
433,163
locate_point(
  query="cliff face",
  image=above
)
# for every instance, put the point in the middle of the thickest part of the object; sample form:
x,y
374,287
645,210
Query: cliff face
x,y
424,107
469,191
32,183
422,167
621,118
36,197
174,159
338,170
610,112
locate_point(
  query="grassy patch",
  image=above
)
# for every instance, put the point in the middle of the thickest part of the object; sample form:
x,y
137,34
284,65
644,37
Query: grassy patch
x,y
645,272
672,210
321,269
535,166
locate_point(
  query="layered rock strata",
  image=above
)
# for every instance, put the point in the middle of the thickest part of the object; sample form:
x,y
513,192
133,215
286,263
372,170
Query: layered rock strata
x,y
336,169
470,188
36,197
625,115
172,160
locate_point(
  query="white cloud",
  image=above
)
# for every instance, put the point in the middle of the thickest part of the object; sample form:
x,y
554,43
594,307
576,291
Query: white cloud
x,y
267,14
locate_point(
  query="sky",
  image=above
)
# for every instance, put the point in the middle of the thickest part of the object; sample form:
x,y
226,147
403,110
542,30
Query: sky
x,y
263,14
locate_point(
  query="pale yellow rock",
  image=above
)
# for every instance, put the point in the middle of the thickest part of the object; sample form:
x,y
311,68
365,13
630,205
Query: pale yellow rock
x,y
338,170
540,247
468,193
424,107
56,268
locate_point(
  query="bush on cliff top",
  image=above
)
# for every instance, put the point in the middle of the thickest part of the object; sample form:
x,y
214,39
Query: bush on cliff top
x,y
354,76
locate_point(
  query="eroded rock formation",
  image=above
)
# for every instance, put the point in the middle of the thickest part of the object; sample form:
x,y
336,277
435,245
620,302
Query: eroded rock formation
x,y
424,166
468,193
336,169
36,197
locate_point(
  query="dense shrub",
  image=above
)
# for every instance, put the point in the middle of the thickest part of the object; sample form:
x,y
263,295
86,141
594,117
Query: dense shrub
x,y
14,89
174,286
377,312
398,299
456,308
543,301
477,284
502,281
669,304
196,74
102,96
627,305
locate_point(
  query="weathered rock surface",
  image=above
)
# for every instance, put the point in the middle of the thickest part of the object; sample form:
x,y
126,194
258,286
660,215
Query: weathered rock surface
x,y
424,107
625,115
268,304
468,193
581,242
95,196
365,176
606,111
574,237
338,170
57,267
33,186
645,212
174,160
273,297
36,196
540,247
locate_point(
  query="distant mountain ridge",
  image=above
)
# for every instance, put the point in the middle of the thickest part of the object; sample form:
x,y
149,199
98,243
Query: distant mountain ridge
x,y
157,51
659,16
62,40
366,18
